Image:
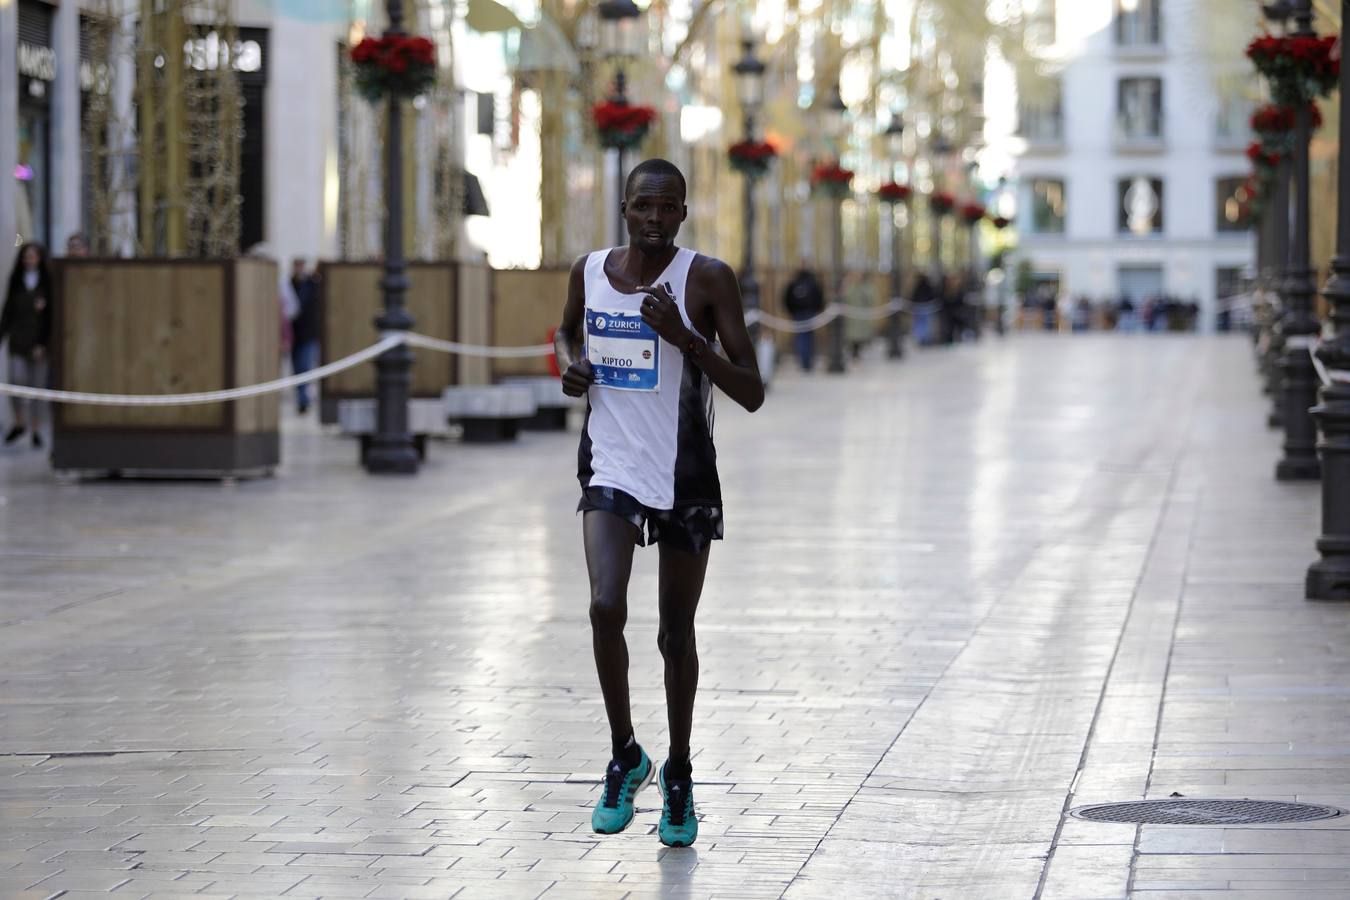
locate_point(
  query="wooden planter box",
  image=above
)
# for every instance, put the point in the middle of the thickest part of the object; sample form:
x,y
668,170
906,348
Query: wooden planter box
x,y
130,326
444,301
526,305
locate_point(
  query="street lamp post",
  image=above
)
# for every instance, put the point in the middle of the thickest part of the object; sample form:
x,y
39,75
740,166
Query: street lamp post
x,y
1279,252
942,149
1277,13
750,88
895,332
1329,577
392,450
1299,327
619,40
836,122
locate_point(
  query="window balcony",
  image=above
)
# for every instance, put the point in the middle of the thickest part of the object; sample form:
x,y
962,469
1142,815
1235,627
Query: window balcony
x,y
1142,138
1042,132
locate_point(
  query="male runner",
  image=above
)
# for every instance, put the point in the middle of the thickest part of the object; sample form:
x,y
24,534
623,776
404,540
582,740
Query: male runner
x,y
635,338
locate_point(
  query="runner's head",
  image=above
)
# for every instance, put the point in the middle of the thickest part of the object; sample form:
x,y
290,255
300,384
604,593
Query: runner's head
x,y
653,206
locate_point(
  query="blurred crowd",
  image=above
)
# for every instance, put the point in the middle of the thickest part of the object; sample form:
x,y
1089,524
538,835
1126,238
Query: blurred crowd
x,y
1045,309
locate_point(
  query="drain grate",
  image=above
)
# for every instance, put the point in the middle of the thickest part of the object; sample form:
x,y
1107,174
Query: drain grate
x,y
1206,812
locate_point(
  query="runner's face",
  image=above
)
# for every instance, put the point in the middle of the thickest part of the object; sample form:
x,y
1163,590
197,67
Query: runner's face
x,y
654,211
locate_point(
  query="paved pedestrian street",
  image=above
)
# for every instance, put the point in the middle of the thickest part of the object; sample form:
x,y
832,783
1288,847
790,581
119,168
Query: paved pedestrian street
x,y
959,596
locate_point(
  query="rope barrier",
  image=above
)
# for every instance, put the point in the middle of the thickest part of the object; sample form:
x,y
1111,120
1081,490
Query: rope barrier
x,y
389,341
825,317
792,326
874,313
429,343
239,393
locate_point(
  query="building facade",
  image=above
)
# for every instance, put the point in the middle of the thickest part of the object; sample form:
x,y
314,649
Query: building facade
x,y
1126,153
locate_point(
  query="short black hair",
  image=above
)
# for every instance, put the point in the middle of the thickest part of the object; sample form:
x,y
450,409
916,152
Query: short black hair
x,y
660,167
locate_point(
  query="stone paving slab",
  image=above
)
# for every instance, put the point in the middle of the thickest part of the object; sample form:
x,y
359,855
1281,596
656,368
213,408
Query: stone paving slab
x,y
960,596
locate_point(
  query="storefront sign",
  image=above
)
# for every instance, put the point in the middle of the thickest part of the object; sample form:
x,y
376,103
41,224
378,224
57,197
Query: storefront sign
x,y
37,62
204,54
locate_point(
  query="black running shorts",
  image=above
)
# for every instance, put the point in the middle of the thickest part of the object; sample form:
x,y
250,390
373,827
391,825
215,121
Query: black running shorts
x,y
689,528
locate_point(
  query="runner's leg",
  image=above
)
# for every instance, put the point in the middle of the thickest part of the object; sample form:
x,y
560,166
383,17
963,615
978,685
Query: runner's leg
x,y
609,560
681,586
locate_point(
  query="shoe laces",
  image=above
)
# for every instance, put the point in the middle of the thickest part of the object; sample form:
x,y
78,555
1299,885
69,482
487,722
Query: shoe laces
x,y
614,777
677,798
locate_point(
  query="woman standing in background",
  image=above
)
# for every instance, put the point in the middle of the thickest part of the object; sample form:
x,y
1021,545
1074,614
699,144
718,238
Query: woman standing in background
x,y
27,323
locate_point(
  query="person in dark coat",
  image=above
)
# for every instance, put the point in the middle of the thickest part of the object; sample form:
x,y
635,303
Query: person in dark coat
x,y
304,328
921,304
804,299
26,322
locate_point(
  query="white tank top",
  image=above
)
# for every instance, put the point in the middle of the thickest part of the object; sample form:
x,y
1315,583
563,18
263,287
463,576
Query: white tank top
x,y
655,444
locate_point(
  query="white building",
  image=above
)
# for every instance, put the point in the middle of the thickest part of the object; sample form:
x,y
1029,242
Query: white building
x,y
298,172
1126,158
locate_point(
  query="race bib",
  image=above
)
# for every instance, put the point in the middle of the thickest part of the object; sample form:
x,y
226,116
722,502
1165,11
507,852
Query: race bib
x,y
625,352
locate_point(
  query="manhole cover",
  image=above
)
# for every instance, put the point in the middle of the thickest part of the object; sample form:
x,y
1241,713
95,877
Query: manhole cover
x,y
1206,812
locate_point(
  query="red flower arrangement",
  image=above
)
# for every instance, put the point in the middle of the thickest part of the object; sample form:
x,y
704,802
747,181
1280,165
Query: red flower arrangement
x,y
620,125
1299,68
891,192
831,178
1000,222
1275,119
1251,198
941,202
752,157
397,65
1263,158
972,212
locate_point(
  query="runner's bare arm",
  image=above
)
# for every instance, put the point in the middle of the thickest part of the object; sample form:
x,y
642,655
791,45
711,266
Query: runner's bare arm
x,y
737,374
568,345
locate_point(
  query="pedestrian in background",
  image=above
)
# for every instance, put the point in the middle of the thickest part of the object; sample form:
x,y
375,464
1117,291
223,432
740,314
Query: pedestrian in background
x,y
804,299
304,327
859,295
923,302
77,246
27,324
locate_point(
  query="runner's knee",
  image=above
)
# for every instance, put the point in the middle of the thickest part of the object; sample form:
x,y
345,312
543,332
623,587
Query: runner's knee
x,y
676,643
609,609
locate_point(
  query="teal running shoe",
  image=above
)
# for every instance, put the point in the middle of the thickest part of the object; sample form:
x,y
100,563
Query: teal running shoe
x,y
679,825
615,810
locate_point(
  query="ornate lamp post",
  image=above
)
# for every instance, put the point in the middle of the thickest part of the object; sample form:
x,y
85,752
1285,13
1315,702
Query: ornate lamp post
x,y
895,332
836,123
973,261
750,89
1329,577
619,41
1299,327
391,448
1277,13
942,149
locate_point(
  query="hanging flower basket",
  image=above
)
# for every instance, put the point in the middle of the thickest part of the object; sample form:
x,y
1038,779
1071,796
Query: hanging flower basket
x,y
1274,125
397,66
1263,159
973,213
831,179
620,125
891,192
752,158
941,202
1299,68
1000,222
1251,198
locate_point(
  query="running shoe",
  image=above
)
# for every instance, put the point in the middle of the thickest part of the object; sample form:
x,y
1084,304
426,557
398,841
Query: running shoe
x,y
679,825
615,810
